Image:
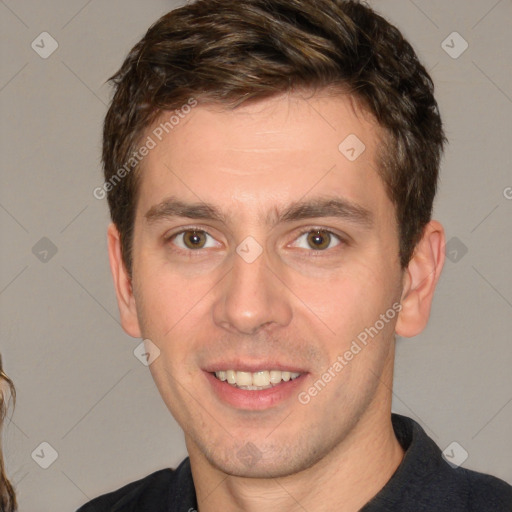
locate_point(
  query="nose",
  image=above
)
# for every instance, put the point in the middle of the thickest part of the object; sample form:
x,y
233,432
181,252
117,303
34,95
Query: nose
x,y
252,297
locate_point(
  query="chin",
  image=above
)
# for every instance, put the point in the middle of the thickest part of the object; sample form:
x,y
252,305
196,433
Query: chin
x,y
246,460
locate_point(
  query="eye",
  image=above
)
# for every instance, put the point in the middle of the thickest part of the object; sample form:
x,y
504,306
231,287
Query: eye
x,y
317,239
193,239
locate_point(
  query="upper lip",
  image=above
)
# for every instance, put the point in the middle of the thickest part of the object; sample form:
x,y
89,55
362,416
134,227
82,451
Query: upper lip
x,y
252,367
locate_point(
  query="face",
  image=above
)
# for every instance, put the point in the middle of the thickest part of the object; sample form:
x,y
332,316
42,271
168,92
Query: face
x,y
261,247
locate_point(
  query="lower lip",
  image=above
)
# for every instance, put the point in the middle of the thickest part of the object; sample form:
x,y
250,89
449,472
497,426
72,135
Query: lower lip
x,y
253,399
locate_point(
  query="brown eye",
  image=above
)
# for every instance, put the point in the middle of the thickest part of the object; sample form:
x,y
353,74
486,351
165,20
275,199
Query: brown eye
x,y
319,240
194,239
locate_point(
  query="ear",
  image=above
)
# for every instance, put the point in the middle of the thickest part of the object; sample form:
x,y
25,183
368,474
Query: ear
x,y
420,279
122,284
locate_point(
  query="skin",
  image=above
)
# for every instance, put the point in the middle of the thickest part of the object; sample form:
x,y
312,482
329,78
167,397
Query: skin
x,y
293,304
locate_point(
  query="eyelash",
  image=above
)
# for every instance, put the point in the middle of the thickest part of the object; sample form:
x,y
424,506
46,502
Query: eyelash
x,y
192,253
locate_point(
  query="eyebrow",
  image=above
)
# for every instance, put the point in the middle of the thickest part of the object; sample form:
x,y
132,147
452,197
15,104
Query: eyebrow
x,y
298,210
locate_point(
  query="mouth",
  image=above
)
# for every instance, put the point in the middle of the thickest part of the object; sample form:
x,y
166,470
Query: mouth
x,y
248,386
255,381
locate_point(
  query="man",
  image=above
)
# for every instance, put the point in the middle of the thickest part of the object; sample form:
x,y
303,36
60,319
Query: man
x,y
270,168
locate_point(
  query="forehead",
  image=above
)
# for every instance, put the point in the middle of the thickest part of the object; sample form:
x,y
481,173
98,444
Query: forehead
x,y
264,154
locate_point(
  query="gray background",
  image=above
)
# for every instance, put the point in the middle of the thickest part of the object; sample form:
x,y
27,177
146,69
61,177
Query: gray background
x,y
80,387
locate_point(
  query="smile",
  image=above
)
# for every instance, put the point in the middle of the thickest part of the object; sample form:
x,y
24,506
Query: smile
x,y
254,381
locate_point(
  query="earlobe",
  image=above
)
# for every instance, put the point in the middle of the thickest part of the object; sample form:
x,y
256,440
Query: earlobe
x,y
122,284
420,281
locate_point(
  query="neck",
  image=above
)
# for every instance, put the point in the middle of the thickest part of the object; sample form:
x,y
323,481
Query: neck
x,y
355,471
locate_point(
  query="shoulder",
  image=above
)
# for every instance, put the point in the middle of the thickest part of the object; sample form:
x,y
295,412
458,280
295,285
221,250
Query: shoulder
x,y
486,492
464,490
151,490
426,481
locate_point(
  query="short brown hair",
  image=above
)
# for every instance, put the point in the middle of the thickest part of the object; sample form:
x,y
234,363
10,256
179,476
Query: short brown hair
x,y
234,51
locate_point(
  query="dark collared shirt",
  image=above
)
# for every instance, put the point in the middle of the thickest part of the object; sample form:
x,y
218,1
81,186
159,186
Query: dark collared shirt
x,y
424,482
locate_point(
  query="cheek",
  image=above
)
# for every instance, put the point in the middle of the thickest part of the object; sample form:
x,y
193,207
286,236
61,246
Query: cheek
x,y
352,302
353,293
173,384
173,313
167,299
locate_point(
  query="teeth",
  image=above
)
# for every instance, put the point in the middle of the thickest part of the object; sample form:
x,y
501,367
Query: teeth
x,y
243,379
254,388
261,379
257,380
275,376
